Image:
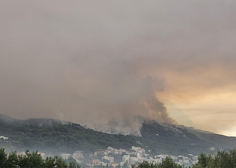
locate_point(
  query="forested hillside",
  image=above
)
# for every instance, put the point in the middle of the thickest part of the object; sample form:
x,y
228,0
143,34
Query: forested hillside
x,y
54,136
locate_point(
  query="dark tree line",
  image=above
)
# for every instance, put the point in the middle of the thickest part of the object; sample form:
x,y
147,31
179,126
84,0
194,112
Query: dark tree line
x,y
166,163
222,159
32,160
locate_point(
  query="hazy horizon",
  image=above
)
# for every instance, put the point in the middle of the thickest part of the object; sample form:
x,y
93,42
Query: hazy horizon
x,y
103,63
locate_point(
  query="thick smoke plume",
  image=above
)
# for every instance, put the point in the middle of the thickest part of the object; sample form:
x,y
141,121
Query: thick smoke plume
x,y
126,107
105,64
107,95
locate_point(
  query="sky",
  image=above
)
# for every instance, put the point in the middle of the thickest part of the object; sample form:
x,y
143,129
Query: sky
x,y
111,64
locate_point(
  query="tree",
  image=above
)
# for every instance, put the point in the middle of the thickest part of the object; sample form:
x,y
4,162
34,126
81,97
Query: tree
x,y
12,160
49,162
59,163
166,163
73,165
169,163
33,159
3,157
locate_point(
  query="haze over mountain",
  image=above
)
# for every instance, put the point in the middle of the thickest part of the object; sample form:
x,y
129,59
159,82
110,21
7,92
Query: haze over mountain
x,y
106,64
55,136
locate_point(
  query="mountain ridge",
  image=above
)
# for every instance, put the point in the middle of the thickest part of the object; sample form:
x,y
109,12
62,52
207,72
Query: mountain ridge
x,y
58,136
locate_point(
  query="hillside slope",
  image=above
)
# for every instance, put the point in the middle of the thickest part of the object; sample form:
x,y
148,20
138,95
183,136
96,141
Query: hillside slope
x,y
55,136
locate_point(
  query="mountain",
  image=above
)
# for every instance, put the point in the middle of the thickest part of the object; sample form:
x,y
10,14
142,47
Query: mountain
x,y
219,141
55,136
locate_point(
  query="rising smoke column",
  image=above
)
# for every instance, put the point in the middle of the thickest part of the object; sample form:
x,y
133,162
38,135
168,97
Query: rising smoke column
x,y
118,98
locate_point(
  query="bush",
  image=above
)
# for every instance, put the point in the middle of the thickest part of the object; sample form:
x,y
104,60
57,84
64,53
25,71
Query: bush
x,y
33,159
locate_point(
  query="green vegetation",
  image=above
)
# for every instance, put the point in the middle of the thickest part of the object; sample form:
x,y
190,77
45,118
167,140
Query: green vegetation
x,y
66,138
166,163
222,159
34,160
61,138
53,136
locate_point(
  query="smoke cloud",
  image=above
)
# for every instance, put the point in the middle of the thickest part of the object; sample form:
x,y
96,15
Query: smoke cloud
x,y
108,64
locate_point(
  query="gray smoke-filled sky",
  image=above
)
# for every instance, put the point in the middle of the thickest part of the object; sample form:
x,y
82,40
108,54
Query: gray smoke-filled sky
x,y
107,64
